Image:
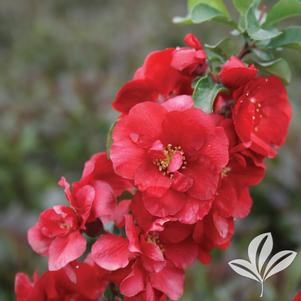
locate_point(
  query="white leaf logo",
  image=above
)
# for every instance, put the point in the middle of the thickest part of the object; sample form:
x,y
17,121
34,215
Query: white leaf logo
x,y
260,267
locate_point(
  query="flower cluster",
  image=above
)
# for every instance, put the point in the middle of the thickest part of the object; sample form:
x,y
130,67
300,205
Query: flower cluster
x,y
176,180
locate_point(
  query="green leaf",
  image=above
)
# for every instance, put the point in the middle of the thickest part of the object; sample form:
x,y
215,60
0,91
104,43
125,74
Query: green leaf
x,y
262,55
262,34
217,4
280,68
242,5
225,47
248,21
204,10
109,139
282,10
289,37
205,93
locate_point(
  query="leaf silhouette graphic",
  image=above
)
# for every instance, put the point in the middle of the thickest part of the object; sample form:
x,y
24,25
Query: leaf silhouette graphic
x,y
246,269
260,249
279,262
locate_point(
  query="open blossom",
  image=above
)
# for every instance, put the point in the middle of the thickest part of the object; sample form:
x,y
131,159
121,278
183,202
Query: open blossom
x,y
164,74
80,282
151,258
58,233
172,153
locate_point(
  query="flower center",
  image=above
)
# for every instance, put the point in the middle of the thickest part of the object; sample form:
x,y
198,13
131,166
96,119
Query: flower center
x,y
225,171
154,238
172,161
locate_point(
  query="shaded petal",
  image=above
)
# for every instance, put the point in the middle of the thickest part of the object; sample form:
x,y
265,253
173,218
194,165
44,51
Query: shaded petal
x,y
178,103
133,284
169,204
170,281
193,211
66,249
39,243
104,204
235,73
134,92
111,252
182,254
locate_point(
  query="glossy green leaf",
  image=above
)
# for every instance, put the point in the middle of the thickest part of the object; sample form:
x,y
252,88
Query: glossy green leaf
x,y
217,4
262,34
225,47
280,68
289,37
242,5
205,93
248,21
204,10
282,10
262,55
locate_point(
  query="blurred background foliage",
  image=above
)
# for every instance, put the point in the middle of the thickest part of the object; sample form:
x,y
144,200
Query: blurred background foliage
x,y
61,62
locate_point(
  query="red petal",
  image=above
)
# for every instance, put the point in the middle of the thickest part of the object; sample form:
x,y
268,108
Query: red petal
x,y
104,204
149,179
183,254
131,234
235,73
169,204
144,120
23,287
170,281
134,92
192,41
39,243
111,252
83,201
178,103
66,249
133,284
193,211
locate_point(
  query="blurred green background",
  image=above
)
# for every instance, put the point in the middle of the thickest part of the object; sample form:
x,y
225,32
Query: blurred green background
x,y
61,62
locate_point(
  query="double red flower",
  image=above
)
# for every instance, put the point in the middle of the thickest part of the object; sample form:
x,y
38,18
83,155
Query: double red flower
x,y
176,181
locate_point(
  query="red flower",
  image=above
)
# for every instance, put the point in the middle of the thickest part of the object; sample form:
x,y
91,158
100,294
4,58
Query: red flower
x,y
164,74
155,255
104,185
57,234
214,231
261,115
244,169
78,282
173,155
235,73
139,285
